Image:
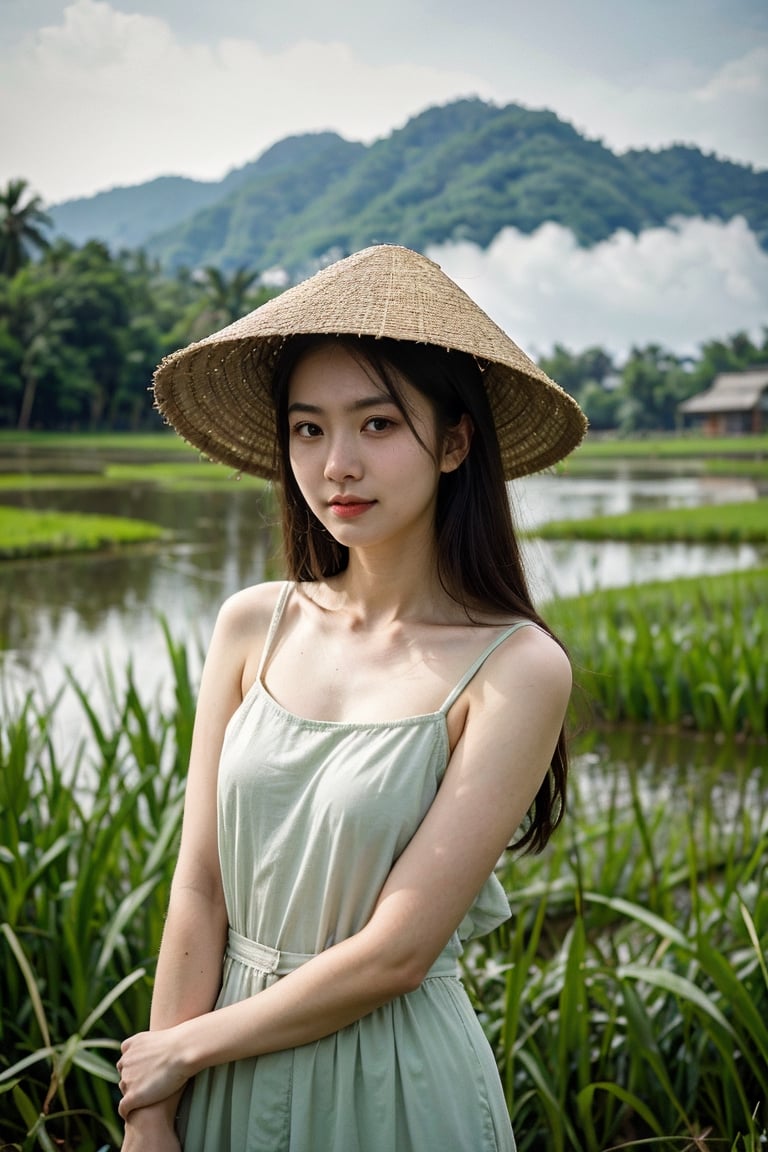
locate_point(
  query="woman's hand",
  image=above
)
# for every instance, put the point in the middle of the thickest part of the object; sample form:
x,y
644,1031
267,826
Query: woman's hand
x,y
151,1069
151,1130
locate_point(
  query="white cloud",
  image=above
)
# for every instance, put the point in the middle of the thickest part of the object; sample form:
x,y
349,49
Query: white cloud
x,y
723,111
111,98
747,75
678,286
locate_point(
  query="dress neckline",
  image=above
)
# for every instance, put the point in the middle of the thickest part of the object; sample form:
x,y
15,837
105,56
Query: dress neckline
x,y
399,722
259,688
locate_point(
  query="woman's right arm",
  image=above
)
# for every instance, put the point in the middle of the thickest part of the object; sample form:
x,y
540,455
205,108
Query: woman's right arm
x,y
189,964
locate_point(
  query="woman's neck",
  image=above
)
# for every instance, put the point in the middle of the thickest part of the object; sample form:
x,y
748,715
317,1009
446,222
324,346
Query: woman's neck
x,y
380,589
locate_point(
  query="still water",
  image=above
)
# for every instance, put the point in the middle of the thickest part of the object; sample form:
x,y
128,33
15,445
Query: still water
x,y
85,613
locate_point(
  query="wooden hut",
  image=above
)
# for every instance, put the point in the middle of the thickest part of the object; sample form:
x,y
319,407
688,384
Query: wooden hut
x,y
736,404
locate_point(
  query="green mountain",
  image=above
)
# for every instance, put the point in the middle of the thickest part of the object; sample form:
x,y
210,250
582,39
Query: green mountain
x,y
124,217
459,172
278,192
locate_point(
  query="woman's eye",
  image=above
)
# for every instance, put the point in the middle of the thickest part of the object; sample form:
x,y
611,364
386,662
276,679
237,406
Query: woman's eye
x,y
307,430
378,424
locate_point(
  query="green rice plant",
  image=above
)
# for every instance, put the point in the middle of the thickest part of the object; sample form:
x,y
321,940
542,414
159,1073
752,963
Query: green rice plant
x,y
675,445
627,998
689,653
26,532
179,475
745,522
88,848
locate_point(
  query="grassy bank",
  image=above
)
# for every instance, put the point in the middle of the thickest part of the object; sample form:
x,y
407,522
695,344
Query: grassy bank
x,y
625,999
741,523
718,456
162,441
25,533
751,467
182,475
671,447
195,474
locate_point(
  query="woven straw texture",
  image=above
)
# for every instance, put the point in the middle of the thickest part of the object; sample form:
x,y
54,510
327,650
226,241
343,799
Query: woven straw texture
x,y
216,392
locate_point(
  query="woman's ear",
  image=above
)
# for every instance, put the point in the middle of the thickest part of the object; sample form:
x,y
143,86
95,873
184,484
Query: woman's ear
x,y
456,443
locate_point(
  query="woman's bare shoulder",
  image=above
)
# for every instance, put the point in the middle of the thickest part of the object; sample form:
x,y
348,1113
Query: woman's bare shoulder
x,y
532,662
249,610
516,705
241,629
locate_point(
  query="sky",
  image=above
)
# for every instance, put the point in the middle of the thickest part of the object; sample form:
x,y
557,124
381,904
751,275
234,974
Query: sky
x,y
100,93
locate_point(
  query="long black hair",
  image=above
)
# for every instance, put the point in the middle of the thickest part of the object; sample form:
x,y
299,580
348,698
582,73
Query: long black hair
x,y
479,561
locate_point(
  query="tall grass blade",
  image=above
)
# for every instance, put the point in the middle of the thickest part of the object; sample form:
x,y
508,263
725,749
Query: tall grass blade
x,y
107,1002
678,986
29,979
759,951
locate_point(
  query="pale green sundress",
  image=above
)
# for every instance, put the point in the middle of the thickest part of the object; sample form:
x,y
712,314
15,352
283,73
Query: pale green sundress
x,y
312,815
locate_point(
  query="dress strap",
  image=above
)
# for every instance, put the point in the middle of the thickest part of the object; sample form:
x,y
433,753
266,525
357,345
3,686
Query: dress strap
x,y
274,624
451,700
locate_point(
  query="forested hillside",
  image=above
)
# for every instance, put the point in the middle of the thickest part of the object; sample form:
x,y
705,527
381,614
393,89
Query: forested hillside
x,y
84,321
464,171
123,217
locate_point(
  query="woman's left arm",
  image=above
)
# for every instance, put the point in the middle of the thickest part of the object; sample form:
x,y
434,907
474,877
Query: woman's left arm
x,y
515,710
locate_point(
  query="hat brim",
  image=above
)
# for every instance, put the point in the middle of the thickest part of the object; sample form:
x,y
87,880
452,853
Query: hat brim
x,y
217,392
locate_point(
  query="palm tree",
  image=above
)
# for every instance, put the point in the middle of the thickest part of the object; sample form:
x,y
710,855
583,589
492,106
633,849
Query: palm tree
x,y
228,296
20,226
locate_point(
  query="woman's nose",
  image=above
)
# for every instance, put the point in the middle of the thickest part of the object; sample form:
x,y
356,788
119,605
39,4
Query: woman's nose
x,y
343,460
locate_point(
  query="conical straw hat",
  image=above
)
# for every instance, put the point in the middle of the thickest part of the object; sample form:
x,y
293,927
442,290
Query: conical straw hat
x,y
216,392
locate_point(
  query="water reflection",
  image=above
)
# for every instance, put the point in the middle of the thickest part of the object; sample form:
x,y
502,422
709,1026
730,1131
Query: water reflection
x,y
538,499
78,611
694,780
568,567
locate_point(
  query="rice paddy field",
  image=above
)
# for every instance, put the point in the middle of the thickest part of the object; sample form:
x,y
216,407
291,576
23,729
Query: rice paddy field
x,y
626,999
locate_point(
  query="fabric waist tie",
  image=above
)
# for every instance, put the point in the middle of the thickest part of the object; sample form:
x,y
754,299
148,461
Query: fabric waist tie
x,y
279,963
262,957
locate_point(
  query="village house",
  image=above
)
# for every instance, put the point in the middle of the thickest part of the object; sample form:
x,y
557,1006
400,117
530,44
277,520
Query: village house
x,y
735,404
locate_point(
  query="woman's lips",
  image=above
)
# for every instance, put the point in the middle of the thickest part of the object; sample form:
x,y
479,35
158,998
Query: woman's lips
x,y
348,509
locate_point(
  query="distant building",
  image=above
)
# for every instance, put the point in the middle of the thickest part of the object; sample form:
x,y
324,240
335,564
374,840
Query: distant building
x,y
736,404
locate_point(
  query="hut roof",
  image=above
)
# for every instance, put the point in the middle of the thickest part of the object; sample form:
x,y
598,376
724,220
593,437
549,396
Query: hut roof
x,y
730,392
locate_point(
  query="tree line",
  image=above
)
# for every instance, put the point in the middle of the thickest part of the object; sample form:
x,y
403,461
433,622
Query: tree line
x,y
643,393
82,328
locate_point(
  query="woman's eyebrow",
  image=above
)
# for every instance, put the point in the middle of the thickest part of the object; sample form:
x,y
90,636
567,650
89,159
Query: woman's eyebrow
x,y
365,402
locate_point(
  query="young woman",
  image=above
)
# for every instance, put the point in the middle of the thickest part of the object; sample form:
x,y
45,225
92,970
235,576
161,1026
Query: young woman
x,y
370,735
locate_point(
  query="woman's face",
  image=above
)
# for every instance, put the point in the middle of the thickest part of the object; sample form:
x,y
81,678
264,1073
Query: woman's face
x,y
359,466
